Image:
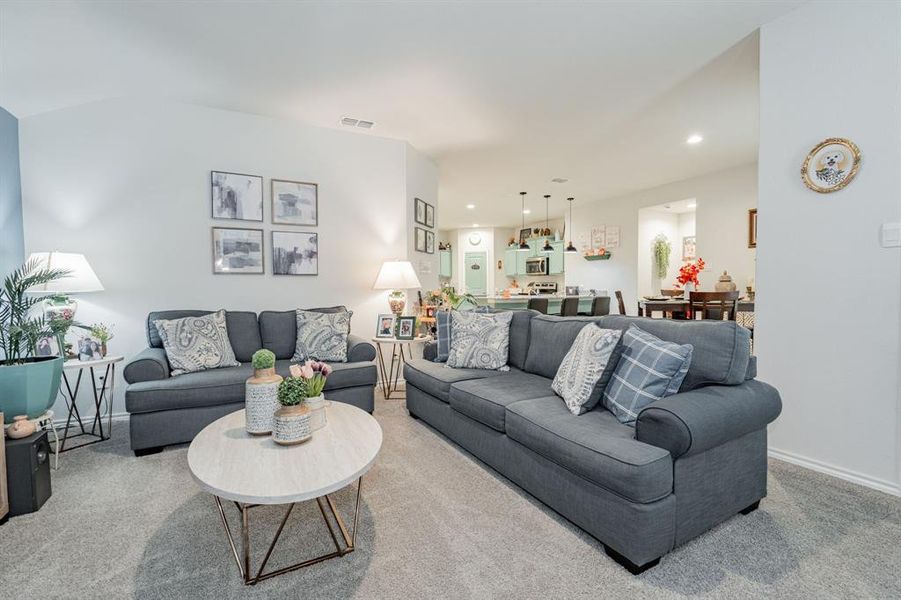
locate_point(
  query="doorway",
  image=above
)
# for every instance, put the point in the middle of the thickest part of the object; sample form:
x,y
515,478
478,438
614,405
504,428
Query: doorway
x,y
475,266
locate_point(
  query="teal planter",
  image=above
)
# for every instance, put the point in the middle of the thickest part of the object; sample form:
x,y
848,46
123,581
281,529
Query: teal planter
x,y
29,388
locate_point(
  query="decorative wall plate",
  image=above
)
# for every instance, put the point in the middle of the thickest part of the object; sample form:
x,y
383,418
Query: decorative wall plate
x,y
831,165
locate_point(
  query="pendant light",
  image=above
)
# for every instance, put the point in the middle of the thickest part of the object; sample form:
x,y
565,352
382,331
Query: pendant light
x,y
570,249
523,246
548,249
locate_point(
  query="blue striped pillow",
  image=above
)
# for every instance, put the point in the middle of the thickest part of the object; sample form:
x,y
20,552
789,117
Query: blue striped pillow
x,y
648,369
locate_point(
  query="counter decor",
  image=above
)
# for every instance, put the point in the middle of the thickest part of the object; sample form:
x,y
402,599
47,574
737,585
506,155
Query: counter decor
x,y
597,254
292,420
261,394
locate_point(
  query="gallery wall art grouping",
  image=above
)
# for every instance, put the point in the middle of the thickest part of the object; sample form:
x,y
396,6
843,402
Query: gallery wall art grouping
x,y
424,214
241,250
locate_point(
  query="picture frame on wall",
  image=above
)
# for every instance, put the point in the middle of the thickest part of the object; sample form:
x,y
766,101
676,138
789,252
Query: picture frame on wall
x,y
237,251
752,228
430,242
295,253
384,326
689,248
406,328
420,239
525,234
419,211
429,215
295,202
236,196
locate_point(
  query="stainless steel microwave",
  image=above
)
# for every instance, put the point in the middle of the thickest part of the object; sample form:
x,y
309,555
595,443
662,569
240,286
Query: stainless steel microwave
x,y
536,266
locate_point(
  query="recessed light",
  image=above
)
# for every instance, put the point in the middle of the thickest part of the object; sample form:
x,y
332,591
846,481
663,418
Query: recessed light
x,y
527,212
559,180
694,139
475,224
470,206
692,204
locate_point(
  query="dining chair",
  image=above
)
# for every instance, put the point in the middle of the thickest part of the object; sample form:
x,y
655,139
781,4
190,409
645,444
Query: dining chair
x,y
539,304
714,305
619,300
600,306
569,307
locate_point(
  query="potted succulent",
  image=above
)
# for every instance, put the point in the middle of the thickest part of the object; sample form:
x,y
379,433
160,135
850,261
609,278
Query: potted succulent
x,y
314,374
28,383
292,419
261,394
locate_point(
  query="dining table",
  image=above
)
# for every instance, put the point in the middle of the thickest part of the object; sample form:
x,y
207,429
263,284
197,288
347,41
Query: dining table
x,y
669,306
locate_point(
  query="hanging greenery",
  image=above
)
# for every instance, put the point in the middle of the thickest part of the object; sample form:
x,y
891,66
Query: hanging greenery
x,y
662,249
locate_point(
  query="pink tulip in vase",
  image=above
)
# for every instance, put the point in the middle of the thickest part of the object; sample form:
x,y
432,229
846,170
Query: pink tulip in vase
x,y
314,373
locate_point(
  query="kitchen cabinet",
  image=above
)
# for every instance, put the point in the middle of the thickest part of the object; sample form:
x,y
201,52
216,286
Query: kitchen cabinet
x,y
445,264
521,258
555,259
510,262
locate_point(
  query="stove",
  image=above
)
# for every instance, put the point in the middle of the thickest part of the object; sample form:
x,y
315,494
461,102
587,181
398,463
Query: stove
x,y
542,287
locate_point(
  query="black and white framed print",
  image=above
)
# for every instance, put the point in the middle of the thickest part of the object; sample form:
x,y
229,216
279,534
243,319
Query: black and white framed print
x,y
419,211
420,239
429,215
237,196
295,253
295,203
430,242
237,250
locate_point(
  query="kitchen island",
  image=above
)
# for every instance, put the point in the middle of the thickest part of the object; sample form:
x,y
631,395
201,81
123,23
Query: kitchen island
x,y
522,301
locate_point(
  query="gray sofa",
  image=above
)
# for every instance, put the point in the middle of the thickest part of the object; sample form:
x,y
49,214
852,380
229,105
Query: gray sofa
x,y
692,461
166,410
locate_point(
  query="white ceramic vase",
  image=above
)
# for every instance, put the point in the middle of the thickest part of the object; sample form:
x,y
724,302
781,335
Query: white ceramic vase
x,y
261,401
292,425
317,406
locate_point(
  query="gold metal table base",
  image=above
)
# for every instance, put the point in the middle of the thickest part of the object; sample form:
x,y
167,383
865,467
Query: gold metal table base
x,y
324,502
389,376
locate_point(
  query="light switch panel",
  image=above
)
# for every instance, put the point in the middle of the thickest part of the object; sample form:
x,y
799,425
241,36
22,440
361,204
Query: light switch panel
x,y
891,235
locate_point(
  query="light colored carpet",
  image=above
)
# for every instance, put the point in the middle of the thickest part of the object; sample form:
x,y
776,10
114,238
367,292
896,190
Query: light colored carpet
x,y
434,523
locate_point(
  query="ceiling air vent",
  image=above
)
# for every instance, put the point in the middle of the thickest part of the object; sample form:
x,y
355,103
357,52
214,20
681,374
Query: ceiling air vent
x,y
559,180
362,124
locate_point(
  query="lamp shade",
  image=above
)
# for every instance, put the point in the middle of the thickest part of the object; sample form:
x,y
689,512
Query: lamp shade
x,y
81,276
396,275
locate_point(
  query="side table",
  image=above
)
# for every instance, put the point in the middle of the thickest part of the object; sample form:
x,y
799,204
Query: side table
x,y
389,374
104,394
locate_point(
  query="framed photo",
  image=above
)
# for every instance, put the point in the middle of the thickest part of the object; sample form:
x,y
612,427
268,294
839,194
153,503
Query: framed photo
x,y
831,165
89,349
419,211
295,203
406,328
48,346
237,250
384,327
689,248
420,239
295,253
752,228
525,234
429,215
237,196
430,242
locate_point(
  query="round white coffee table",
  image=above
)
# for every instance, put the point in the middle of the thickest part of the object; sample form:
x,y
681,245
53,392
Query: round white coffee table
x,y
231,464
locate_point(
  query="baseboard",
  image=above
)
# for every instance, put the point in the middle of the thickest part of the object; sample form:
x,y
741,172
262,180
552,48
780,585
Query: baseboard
x,y
86,419
881,485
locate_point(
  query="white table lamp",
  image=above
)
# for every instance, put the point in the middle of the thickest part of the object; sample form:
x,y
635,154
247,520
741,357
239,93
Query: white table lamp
x,y
397,276
81,279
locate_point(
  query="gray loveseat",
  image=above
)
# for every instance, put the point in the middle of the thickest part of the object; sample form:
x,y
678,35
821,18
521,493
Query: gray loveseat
x,y
692,461
166,410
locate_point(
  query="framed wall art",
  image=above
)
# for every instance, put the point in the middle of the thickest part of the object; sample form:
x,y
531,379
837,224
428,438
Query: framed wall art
x,y
419,211
420,239
295,203
430,242
689,248
236,196
752,228
295,253
831,165
237,250
429,215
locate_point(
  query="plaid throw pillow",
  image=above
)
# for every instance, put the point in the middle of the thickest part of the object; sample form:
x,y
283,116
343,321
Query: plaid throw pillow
x,y
648,370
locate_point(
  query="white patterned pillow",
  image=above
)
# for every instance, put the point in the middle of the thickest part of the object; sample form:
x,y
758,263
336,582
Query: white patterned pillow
x,y
479,340
322,336
196,343
587,368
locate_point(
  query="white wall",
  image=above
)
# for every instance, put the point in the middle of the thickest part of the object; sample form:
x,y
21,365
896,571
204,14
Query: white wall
x,y
652,223
127,183
422,182
723,199
829,297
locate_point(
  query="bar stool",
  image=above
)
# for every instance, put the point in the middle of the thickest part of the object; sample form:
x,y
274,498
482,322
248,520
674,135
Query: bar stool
x,y
539,304
569,307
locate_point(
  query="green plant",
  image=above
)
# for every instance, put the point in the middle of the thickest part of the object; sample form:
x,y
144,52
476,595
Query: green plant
x,y
101,332
20,328
315,385
662,249
292,391
263,359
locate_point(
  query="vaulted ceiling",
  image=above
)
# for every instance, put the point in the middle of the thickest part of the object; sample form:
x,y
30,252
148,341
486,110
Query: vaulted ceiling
x,y
504,96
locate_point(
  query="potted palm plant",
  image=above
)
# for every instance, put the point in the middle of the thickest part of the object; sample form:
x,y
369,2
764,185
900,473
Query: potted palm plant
x,y
28,383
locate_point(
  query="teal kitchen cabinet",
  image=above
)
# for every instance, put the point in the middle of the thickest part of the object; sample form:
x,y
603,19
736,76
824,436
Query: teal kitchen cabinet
x,y
445,264
510,262
555,264
521,258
